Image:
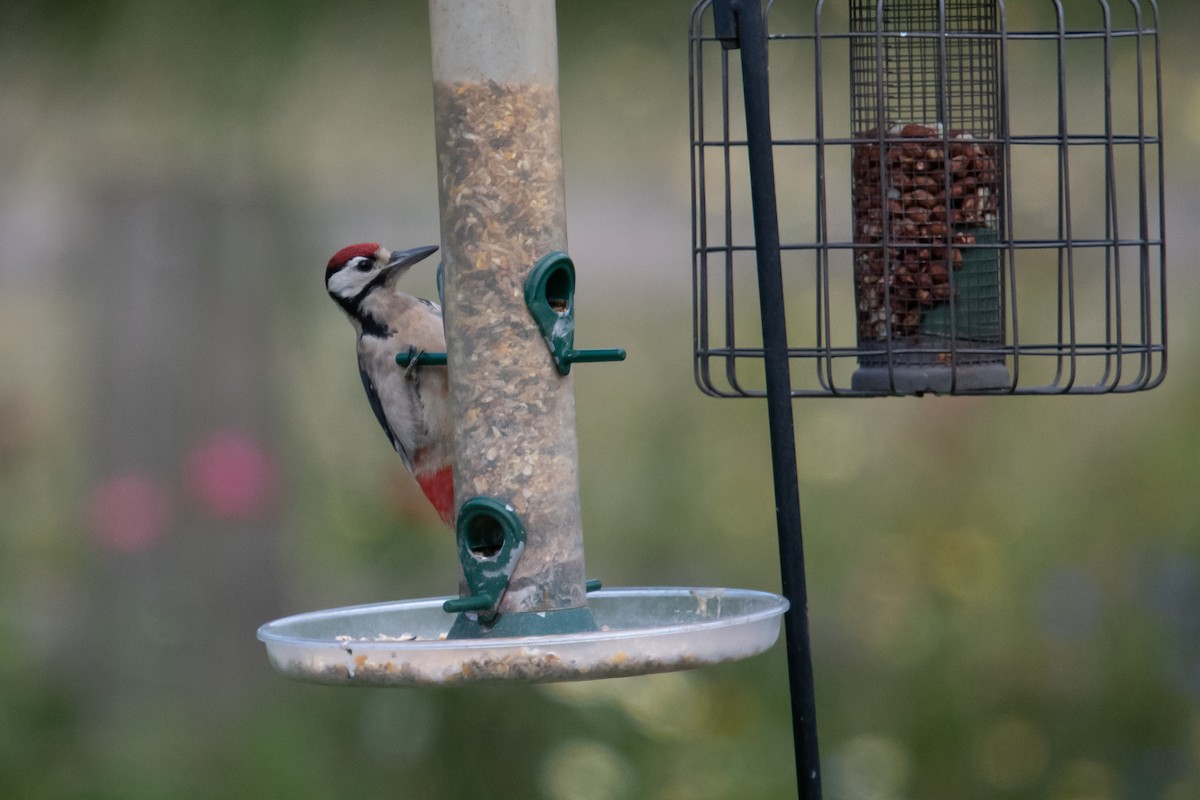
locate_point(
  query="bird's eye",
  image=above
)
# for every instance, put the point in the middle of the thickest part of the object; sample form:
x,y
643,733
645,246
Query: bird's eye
x,y
362,264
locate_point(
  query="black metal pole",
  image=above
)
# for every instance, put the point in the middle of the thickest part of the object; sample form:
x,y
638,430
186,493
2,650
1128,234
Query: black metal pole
x,y
739,23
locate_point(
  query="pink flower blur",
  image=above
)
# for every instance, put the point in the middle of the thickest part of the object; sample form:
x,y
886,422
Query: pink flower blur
x,y
231,476
128,512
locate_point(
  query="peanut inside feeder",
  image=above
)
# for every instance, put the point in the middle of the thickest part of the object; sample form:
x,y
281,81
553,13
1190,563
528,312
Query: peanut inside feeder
x,y
919,202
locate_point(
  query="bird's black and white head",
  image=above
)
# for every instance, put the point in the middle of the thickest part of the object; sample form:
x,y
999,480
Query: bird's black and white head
x,y
356,271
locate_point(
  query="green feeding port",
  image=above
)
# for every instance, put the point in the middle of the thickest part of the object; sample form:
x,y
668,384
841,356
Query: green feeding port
x,y
559,288
491,540
550,295
484,536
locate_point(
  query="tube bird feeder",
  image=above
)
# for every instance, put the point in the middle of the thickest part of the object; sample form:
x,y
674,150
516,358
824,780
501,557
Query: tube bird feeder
x,y
524,611
503,207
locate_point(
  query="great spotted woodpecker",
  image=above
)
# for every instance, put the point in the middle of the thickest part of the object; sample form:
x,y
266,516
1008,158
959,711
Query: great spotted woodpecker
x,y
411,403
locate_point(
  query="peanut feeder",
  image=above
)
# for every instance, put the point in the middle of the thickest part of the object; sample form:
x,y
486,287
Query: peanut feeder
x,y
885,174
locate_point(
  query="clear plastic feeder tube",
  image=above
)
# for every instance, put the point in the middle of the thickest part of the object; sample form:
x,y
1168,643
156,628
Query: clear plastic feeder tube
x,y
495,72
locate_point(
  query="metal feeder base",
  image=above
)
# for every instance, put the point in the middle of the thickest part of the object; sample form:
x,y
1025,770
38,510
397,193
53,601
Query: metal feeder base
x,y
640,631
922,378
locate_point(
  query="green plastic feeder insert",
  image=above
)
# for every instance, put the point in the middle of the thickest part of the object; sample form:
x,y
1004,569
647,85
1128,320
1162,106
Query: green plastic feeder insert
x,y
550,295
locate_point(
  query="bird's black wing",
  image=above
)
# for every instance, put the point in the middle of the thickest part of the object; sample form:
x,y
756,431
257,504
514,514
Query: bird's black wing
x,y
377,407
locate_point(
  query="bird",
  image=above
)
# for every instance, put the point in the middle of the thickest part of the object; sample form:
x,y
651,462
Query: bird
x,y
411,403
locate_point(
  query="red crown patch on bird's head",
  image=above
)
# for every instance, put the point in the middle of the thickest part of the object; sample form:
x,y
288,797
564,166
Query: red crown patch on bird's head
x,y
367,249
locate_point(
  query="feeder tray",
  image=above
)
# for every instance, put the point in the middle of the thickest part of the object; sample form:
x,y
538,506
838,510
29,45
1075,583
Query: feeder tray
x,y
640,631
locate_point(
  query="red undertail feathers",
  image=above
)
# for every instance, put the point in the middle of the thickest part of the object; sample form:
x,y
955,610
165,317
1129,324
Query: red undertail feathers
x,y
439,488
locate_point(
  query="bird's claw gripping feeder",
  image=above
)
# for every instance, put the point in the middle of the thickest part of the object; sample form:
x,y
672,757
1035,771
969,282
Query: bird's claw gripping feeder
x,y
900,179
525,610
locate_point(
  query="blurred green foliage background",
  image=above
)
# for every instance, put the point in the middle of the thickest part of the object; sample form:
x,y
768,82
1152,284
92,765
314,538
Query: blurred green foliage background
x,y
1005,594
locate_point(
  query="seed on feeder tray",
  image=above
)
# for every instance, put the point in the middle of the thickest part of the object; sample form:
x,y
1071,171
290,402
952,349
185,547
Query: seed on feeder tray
x,y
347,642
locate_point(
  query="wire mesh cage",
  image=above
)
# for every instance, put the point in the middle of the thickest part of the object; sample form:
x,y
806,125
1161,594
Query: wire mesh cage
x,y
970,198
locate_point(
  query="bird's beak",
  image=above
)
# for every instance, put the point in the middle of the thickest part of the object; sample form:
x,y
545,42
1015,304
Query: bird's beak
x,y
402,259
